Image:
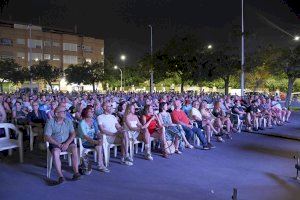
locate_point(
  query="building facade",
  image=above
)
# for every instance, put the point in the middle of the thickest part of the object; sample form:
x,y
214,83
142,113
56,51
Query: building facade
x,y
28,44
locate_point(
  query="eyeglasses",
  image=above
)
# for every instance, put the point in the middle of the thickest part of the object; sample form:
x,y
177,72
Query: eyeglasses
x,y
63,111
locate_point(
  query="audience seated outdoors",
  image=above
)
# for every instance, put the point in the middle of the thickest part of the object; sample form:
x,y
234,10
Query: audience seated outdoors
x,y
171,120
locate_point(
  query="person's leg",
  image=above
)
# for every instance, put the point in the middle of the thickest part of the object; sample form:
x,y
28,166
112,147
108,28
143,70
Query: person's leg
x,y
73,149
188,132
200,135
288,114
99,155
56,160
146,139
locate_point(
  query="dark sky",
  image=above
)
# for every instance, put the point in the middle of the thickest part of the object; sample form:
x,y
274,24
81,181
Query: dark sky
x,y
123,24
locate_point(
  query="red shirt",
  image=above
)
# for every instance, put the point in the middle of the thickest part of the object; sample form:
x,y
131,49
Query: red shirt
x,y
180,116
153,124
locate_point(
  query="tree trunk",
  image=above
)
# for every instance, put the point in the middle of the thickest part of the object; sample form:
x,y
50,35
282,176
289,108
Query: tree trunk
x,y
226,84
1,86
182,85
93,86
51,87
291,81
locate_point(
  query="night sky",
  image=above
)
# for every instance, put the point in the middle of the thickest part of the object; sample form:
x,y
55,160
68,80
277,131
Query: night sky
x,y
123,24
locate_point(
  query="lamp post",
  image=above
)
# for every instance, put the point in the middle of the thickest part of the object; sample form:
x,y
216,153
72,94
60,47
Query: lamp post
x,y
116,67
30,56
243,54
151,53
123,58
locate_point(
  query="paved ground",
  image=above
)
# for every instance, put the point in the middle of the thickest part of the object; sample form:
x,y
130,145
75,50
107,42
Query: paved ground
x,y
259,166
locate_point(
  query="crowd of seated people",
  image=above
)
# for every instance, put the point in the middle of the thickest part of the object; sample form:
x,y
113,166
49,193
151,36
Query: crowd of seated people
x,y
172,119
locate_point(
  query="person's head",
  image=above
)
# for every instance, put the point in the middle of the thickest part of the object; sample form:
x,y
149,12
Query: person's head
x,y
217,105
87,113
130,109
148,101
196,104
60,112
203,105
177,104
35,106
148,110
18,104
107,107
122,106
163,106
237,102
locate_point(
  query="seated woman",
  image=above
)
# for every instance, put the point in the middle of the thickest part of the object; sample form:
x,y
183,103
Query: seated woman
x,y
173,131
153,126
19,114
121,111
78,111
135,128
91,138
222,119
37,116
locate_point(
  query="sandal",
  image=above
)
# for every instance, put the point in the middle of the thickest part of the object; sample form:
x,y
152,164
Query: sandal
x,y
178,152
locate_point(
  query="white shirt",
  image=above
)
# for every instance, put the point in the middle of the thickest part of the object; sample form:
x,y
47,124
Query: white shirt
x,y
196,113
108,122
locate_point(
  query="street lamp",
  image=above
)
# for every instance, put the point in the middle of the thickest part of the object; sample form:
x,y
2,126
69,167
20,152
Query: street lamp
x,y
297,38
151,53
123,57
116,67
209,46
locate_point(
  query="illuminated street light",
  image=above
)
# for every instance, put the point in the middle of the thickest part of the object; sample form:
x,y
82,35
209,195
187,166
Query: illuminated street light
x,y
123,57
297,38
116,67
209,46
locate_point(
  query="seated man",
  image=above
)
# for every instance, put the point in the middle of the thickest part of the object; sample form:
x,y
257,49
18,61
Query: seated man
x,y
110,126
60,134
179,117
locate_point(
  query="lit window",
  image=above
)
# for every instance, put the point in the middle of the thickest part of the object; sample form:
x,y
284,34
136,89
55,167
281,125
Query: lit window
x,y
56,57
47,57
70,59
69,47
47,43
35,56
21,41
88,60
35,43
55,44
21,55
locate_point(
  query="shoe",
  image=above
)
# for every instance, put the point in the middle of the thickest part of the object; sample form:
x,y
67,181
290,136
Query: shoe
x,y
103,169
178,152
255,129
61,180
148,156
206,147
129,159
211,146
165,155
219,139
124,162
229,136
189,146
261,128
76,176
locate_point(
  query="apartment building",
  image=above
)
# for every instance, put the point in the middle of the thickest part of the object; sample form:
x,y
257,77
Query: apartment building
x,y
28,44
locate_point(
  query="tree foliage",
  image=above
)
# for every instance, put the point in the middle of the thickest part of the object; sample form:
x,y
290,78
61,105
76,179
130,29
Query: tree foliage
x,y
44,71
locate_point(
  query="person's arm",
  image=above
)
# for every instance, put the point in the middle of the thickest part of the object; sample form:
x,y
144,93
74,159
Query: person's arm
x,y
146,124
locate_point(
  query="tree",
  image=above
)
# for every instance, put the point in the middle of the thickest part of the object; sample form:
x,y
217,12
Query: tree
x,y
180,57
225,66
44,71
93,73
285,61
3,3
13,72
75,74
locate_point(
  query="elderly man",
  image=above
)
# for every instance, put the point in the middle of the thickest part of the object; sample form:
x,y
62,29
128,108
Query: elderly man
x,y
179,117
110,126
60,134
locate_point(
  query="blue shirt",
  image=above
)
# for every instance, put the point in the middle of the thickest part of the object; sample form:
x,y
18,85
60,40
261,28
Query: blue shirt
x,y
85,129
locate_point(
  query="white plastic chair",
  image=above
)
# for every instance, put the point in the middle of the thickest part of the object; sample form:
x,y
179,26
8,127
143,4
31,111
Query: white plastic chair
x,y
50,158
82,150
31,134
6,143
106,150
133,144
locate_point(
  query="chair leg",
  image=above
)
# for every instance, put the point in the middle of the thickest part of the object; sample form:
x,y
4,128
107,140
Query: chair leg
x,y
143,147
10,152
21,154
49,164
136,148
70,159
115,151
31,139
95,156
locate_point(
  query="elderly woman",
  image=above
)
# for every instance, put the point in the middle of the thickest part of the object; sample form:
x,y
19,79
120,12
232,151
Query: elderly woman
x,y
89,132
